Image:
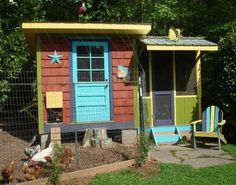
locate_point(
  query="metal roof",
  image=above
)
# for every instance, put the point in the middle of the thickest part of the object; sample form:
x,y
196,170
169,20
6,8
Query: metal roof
x,y
183,43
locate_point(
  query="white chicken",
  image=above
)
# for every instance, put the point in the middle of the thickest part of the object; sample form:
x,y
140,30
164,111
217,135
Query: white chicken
x,y
43,155
31,151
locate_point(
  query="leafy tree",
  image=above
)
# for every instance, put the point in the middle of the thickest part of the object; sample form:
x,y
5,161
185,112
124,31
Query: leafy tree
x,y
220,81
164,12
14,54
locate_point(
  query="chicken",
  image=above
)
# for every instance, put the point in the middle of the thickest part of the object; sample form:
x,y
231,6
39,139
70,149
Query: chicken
x,y
66,158
31,151
43,155
68,152
31,173
81,7
8,172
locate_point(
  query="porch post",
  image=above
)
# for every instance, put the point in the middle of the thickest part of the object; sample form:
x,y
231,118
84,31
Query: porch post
x,y
174,86
199,83
136,85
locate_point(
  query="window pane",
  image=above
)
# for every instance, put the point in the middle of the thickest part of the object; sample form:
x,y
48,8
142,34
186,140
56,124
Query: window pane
x,y
185,73
98,63
83,51
97,51
162,71
83,76
83,63
98,76
163,107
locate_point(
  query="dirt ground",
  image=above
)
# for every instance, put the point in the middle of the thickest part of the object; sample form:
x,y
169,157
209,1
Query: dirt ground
x,y
12,148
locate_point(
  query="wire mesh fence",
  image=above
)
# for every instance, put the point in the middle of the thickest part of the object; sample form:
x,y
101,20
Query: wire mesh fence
x,y
79,125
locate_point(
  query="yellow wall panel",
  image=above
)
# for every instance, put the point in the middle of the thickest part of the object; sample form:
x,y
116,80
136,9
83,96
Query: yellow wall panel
x,y
54,100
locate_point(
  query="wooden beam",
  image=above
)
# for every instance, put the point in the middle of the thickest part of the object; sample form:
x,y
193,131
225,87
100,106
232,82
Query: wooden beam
x,y
39,86
150,84
206,134
199,83
62,27
136,89
181,48
174,80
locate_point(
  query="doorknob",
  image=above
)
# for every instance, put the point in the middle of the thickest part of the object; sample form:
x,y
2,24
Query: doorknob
x,y
106,80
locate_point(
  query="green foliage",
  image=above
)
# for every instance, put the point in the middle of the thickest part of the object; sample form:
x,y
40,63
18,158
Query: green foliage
x,y
14,57
14,54
4,90
15,12
54,179
219,83
144,145
164,12
59,10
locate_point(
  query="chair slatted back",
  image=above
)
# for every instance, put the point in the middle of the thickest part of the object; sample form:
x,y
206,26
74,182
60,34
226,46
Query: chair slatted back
x,y
210,118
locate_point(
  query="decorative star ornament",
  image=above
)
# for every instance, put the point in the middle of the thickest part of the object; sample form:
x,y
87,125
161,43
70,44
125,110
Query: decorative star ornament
x,y
55,57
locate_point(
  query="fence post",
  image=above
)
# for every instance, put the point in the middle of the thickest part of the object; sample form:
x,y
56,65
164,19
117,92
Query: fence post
x,y
141,105
76,149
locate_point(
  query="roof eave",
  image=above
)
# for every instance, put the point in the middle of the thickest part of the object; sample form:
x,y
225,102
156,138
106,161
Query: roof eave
x,y
181,48
90,28
32,29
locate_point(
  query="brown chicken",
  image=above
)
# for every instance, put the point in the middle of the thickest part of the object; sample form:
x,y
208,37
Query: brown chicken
x,y
31,173
8,172
66,158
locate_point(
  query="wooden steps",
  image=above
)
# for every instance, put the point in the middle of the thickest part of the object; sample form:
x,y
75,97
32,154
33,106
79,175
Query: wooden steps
x,y
165,134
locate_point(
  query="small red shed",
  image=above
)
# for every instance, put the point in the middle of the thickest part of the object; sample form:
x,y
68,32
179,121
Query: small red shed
x,y
78,84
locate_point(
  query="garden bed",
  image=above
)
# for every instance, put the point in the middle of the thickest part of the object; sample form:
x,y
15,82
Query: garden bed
x,y
12,148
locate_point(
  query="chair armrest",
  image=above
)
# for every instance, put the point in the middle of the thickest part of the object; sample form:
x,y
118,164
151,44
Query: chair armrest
x,y
195,122
222,123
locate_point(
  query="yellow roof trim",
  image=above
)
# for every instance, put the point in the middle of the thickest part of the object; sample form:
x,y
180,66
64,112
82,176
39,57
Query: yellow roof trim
x,y
181,48
101,28
31,29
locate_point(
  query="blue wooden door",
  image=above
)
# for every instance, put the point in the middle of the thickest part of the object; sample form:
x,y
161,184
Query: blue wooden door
x,y
91,81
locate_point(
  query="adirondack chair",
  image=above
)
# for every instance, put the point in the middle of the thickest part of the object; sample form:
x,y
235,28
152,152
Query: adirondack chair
x,y
212,122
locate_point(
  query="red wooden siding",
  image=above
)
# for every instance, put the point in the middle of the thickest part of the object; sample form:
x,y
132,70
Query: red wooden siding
x,y
123,100
56,77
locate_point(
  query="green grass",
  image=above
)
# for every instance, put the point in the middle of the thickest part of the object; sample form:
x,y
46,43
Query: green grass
x,y
176,175
231,149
